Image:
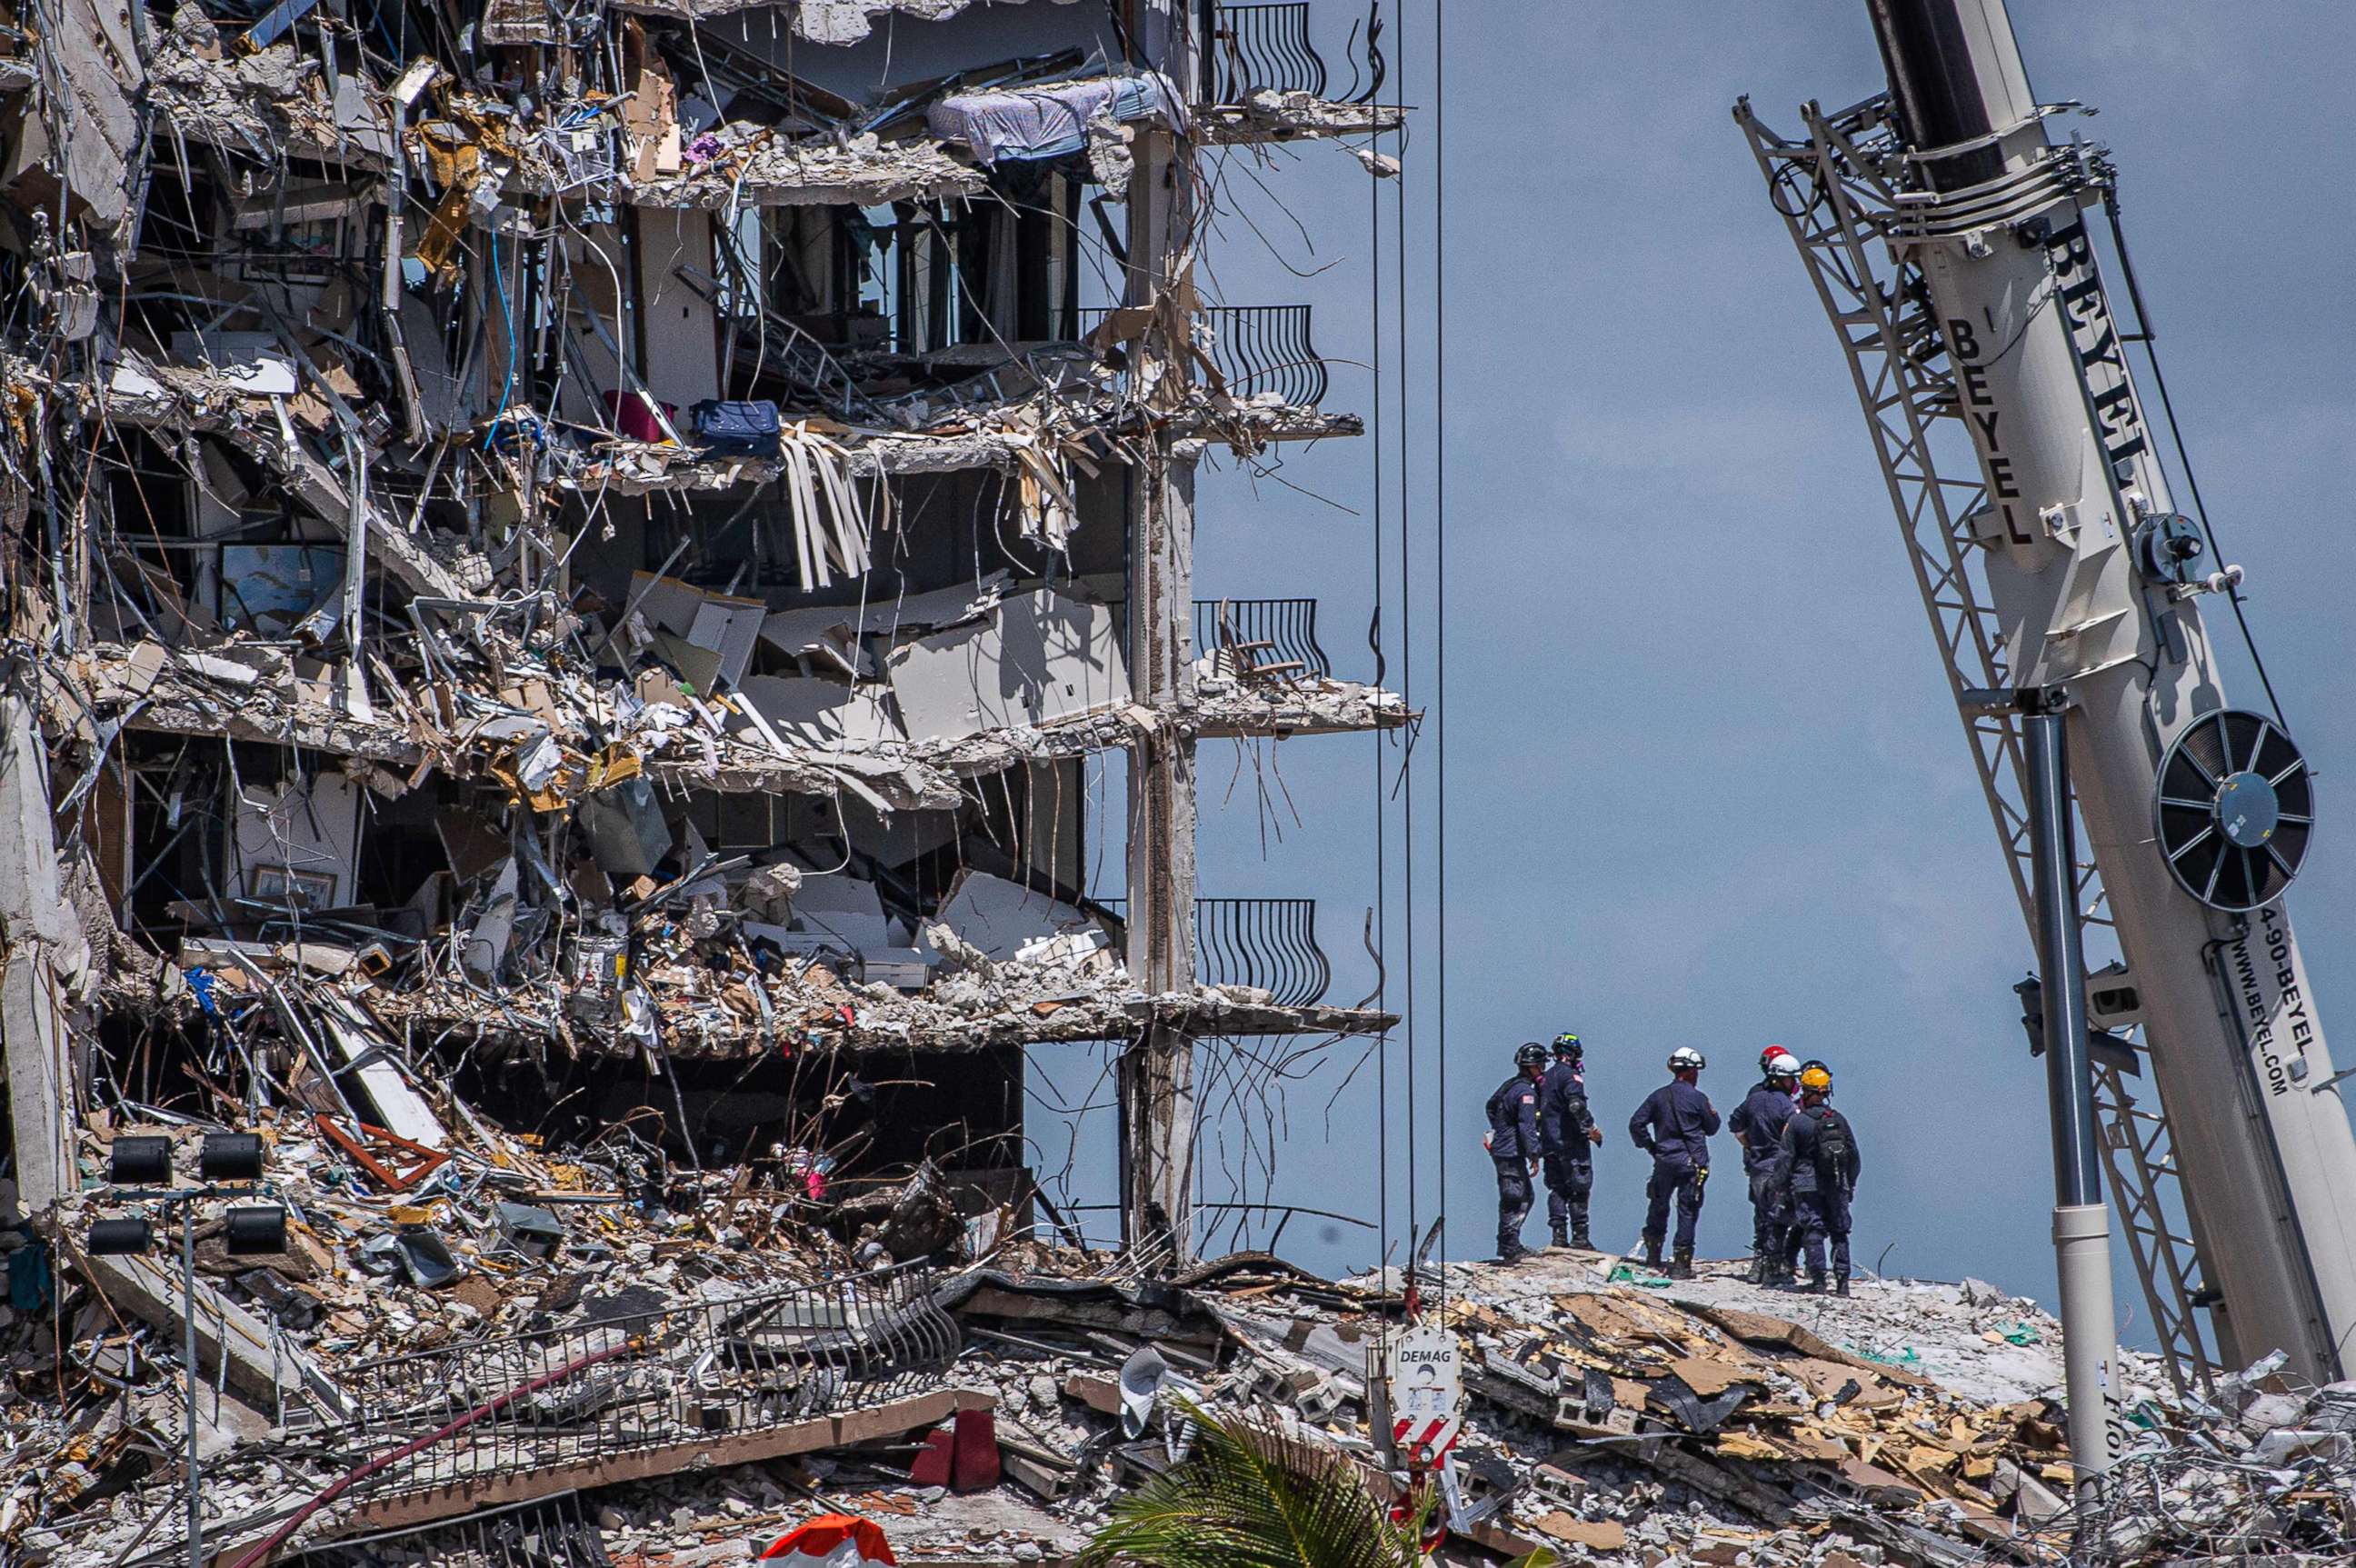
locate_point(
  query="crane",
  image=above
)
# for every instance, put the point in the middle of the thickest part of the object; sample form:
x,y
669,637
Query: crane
x,y
1949,239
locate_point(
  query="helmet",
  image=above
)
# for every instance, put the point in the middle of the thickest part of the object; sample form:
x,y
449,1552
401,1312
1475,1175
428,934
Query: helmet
x,y
1685,1057
1532,1054
1815,1079
1767,1058
1824,1067
1783,1065
1567,1044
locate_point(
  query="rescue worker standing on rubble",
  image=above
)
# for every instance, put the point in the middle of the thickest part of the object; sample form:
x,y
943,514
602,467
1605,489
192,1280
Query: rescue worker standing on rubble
x,y
1566,1133
1816,1171
1514,1143
1792,1234
1673,1125
1758,1125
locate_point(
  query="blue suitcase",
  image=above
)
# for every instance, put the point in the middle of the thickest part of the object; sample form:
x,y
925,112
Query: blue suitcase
x,y
735,429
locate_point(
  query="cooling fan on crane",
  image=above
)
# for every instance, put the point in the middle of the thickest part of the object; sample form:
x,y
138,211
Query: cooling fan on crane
x,y
2234,809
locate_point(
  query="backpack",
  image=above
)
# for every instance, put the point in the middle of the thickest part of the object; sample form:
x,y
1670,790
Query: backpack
x,y
1835,1144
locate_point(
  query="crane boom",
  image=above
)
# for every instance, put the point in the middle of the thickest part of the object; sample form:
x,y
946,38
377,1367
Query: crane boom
x,y
2196,813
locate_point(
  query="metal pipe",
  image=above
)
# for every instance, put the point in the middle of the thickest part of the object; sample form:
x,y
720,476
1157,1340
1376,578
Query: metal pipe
x,y
2082,1222
2061,962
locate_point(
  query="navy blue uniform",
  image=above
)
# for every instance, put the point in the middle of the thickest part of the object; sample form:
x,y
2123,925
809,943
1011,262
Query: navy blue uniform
x,y
1673,1125
1816,1166
1759,1122
1514,1143
1564,1124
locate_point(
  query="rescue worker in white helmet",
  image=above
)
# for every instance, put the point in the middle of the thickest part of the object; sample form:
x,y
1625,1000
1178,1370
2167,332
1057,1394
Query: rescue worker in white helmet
x,y
1673,1125
1758,1125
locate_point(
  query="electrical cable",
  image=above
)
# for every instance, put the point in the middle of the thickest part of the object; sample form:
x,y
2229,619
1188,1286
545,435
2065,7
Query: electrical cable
x,y
2150,340
506,318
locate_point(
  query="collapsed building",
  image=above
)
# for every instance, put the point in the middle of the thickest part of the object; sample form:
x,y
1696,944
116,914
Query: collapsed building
x,y
579,581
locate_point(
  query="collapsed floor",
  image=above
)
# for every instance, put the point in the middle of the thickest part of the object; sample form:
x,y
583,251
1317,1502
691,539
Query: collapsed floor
x,y
991,1409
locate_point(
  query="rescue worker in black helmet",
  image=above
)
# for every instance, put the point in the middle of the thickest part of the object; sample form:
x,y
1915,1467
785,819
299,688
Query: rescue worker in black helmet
x,y
1815,1169
1673,1125
1514,1145
1567,1133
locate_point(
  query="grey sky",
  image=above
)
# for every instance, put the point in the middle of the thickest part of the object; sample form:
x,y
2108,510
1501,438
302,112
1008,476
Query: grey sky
x,y
1706,784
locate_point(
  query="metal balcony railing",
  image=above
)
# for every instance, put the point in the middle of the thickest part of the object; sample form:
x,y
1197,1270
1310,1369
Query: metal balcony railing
x,y
549,1532
1266,640
1247,47
1267,943
636,1383
1258,349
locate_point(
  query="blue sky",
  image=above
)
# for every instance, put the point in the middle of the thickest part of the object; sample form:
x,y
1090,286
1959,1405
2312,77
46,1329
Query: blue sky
x,y
1705,783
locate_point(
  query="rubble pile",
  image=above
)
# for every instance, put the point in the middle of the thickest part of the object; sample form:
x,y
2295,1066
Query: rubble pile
x,y
1613,1416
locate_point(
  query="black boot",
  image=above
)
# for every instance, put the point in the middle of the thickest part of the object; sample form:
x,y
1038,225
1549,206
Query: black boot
x,y
1511,1251
1816,1285
1562,1235
1840,1285
1681,1266
1582,1240
1652,1253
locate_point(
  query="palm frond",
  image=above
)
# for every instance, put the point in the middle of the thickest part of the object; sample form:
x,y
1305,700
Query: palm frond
x,y
1252,1494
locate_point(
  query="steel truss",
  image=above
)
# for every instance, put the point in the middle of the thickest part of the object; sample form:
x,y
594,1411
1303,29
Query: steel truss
x,y
1837,194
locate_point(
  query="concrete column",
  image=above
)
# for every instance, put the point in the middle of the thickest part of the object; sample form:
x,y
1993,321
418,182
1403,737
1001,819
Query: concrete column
x,y
1157,1072
35,924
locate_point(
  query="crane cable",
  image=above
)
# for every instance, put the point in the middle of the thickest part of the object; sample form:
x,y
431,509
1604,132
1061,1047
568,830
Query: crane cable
x,y
2150,339
1406,650
1376,632
1439,562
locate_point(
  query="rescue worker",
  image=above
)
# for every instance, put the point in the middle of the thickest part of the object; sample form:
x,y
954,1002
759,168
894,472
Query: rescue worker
x,y
1758,1125
1792,1236
1673,1125
1513,1141
1566,1133
1815,1169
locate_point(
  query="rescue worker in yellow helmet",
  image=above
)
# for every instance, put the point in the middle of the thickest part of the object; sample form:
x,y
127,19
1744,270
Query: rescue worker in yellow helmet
x,y
1817,1167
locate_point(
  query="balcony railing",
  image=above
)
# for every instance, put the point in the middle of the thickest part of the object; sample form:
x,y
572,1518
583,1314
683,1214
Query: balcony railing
x,y
1267,943
549,1533
1258,349
1246,47
632,1384
1262,639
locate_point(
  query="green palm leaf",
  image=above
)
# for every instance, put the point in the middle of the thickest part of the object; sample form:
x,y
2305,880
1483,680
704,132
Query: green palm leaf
x,y
1253,1496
